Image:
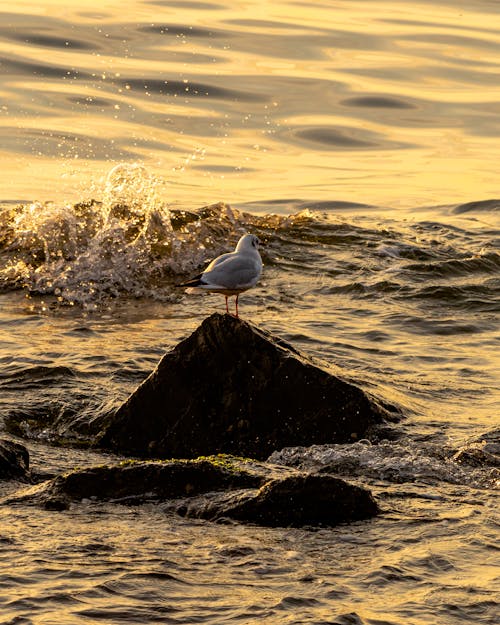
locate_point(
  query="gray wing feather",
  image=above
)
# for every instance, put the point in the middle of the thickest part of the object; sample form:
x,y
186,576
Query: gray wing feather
x,y
234,272
218,260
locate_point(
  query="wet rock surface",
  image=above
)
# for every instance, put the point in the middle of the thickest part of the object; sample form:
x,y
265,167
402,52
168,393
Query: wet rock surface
x,y
483,450
137,482
14,461
233,388
295,500
215,488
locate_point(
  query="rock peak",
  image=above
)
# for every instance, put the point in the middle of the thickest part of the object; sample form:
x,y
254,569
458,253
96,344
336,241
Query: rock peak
x,y
232,387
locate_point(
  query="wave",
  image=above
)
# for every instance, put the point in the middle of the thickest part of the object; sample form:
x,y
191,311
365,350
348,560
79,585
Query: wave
x,y
402,462
34,377
480,205
483,262
130,243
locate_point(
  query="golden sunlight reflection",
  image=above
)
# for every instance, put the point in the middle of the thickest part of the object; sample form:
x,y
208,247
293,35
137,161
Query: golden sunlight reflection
x,y
359,103
359,140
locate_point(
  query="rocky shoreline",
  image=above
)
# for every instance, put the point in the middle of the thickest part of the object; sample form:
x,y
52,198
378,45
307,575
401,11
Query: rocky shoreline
x,y
216,488
199,427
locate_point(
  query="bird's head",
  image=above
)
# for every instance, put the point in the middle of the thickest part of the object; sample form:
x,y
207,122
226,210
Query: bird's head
x,y
248,242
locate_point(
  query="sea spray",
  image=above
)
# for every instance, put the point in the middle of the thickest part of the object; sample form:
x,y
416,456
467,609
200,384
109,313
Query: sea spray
x,y
129,243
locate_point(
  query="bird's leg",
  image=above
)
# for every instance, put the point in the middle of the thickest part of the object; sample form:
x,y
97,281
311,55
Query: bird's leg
x,y
227,307
237,316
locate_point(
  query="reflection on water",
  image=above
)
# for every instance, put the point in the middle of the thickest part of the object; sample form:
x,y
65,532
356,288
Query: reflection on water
x,y
385,103
407,304
304,118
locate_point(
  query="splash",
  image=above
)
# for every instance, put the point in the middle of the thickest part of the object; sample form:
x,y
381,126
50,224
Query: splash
x,y
399,463
128,243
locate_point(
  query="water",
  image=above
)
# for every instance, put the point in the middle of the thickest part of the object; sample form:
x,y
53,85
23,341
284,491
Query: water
x,y
387,103
360,143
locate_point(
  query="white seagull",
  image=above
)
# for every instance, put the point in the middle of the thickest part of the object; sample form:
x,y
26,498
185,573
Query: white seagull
x,y
232,273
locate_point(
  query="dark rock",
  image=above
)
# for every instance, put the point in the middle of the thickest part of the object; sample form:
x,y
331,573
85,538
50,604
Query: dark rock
x,y
213,488
14,461
136,482
139,481
483,450
57,504
296,500
233,388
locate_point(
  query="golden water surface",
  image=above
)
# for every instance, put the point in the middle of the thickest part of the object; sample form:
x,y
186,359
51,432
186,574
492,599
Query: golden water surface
x,y
305,109
388,103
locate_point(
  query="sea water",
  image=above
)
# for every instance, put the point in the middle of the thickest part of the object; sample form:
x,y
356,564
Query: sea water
x,y
360,143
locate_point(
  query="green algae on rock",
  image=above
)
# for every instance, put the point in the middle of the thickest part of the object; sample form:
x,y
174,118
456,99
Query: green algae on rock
x,y
212,488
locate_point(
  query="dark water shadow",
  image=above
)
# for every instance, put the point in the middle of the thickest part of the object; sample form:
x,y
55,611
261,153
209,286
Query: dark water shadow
x,y
377,102
179,88
47,41
343,138
481,205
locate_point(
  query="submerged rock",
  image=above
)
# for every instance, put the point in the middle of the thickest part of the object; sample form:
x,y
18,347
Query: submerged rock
x,y
14,461
296,500
213,488
233,388
137,482
483,450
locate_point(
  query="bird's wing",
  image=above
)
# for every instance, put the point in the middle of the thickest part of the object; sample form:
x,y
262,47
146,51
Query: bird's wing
x,y
192,282
234,272
218,260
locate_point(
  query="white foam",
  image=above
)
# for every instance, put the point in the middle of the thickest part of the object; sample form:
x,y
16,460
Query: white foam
x,y
125,244
388,461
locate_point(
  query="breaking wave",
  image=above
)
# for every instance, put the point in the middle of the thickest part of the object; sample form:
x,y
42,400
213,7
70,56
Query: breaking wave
x,y
475,463
129,243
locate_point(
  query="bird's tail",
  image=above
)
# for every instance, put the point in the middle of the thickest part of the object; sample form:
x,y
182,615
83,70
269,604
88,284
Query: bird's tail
x,y
196,281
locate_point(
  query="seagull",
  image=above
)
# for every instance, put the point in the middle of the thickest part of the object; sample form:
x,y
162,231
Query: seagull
x,y
232,273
